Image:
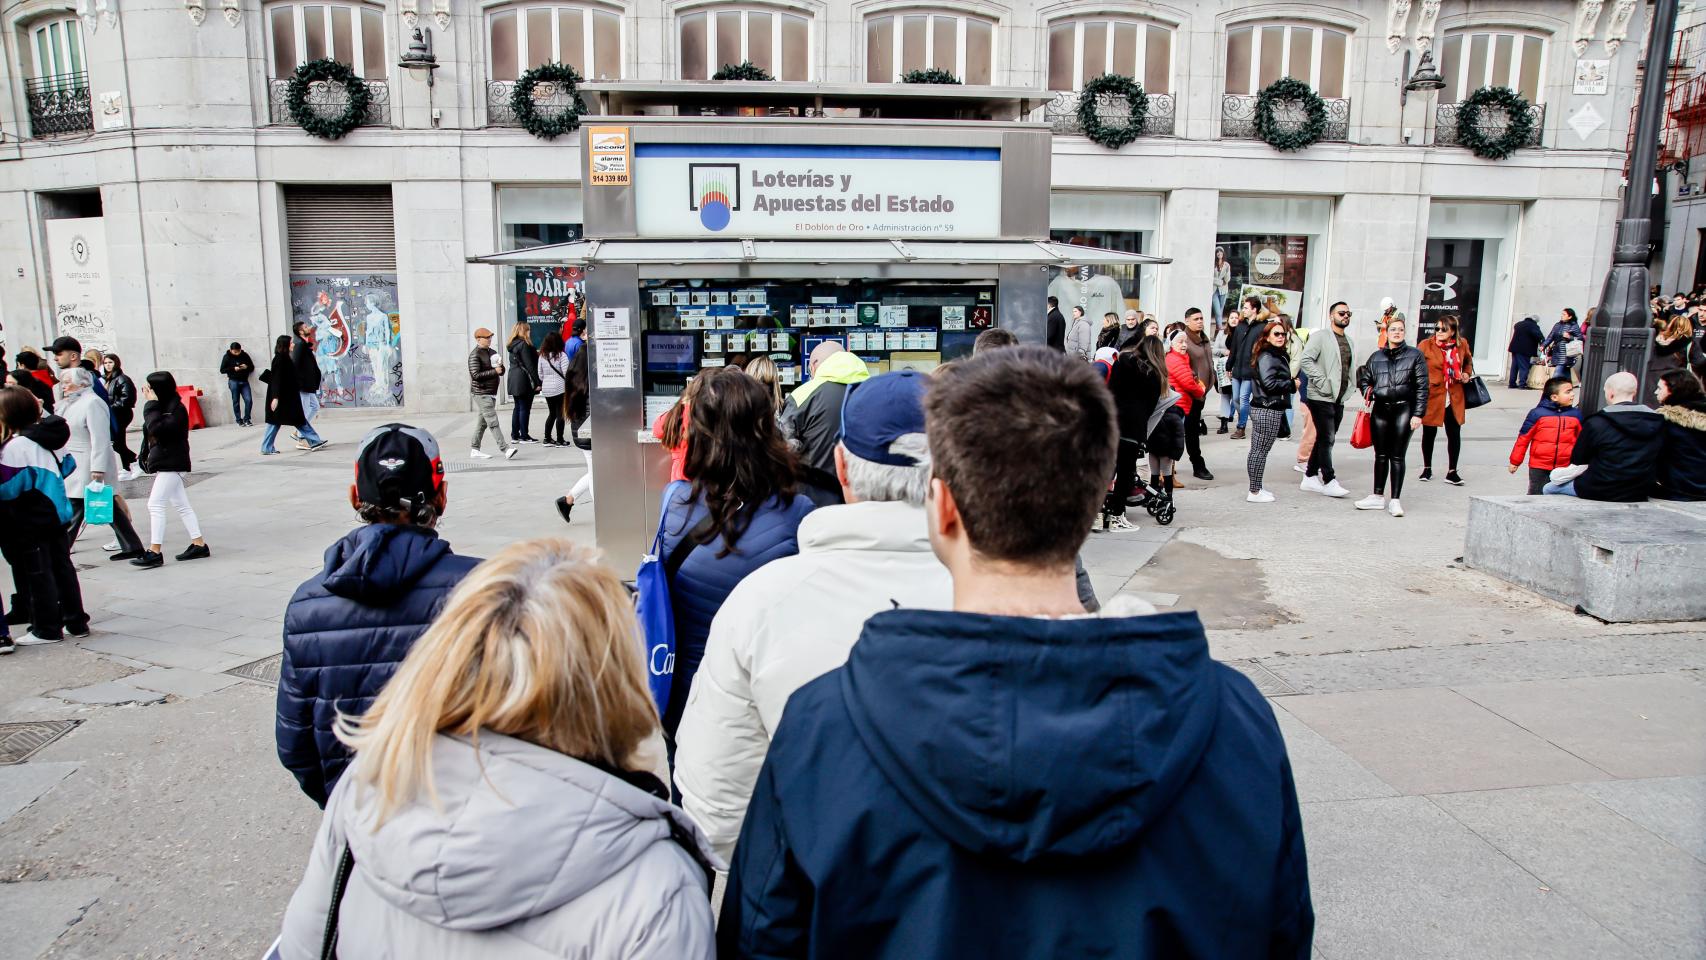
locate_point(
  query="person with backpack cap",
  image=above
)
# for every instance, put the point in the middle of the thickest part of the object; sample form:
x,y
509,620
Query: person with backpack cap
x,y
348,627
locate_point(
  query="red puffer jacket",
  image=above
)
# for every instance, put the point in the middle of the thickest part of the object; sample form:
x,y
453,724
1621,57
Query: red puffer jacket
x,y
1184,380
1548,436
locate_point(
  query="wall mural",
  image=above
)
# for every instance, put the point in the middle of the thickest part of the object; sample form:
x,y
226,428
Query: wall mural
x,y
358,336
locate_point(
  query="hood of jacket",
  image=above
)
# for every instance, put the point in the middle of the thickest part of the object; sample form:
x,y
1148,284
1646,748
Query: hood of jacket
x,y
1637,421
51,432
890,527
1689,417
1551,406
378,563
1072,735
523,830
842,367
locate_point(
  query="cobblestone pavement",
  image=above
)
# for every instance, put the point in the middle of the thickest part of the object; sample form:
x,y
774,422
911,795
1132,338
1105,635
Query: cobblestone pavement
x,y
1484,774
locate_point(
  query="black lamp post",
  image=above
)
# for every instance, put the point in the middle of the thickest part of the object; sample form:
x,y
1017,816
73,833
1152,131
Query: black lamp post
x,y
1622,334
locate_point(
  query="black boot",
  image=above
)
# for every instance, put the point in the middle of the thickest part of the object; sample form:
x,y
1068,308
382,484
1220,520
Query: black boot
x,y
1200,471
1223,423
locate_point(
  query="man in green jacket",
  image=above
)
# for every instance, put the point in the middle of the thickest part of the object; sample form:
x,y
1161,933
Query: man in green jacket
x,y
1326,363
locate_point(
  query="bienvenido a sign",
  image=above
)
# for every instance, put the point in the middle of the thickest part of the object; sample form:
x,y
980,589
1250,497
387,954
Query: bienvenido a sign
x,y
761,190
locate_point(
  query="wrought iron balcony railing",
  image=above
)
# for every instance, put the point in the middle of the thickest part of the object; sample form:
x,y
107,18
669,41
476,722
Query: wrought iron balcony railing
x,y
1493,121
549,96
1238,118
322,99
59,105
1061,113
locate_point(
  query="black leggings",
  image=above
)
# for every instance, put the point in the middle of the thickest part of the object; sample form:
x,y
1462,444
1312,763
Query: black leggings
x,y
1390,423
1125,476
122,416
554,417
1453,443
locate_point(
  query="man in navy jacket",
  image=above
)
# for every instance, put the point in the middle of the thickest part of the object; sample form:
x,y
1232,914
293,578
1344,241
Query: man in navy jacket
x,y
350,625
1014,778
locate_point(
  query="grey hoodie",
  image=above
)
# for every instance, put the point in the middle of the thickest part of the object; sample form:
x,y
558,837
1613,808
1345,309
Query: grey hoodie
x,y
534,855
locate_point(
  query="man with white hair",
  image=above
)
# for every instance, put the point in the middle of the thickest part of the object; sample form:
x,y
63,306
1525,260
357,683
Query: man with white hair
x,y
1618,447
796,618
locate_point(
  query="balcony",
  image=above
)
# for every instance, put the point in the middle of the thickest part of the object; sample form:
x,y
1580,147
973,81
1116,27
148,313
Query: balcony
x,y
323,100
1238,118
1061,113
59,105
548,96
1445,124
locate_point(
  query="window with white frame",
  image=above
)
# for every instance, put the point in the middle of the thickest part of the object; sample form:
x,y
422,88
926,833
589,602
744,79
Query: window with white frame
x,y
586,38
900,42
1081,50
56,48
776,42
1258,54
1471,60
352,34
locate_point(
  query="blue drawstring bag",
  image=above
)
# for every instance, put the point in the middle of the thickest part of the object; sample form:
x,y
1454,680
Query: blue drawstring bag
x,y
656,615
98,503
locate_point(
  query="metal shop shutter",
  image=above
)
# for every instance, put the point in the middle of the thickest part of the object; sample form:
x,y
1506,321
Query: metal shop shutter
x,y
340,229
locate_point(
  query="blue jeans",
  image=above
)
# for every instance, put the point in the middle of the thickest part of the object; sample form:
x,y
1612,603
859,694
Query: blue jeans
x,y
1565,489
310,407
1217,306
268,438
1519,371
1241,392
242,400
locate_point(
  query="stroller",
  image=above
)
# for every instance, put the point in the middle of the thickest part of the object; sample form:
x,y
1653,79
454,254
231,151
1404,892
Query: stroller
x,y
1156,501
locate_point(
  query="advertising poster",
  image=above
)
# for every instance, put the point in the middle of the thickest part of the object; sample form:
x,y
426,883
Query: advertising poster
x,y
358,336
82,298
1267,266
1451,283
548,297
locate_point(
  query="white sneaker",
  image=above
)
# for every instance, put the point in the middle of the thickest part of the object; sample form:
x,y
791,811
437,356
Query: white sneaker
x,y
1120,524
1310,485
510,453
1300,467
479,454
1334,489
110,547
1374,501
1260,496
1395,509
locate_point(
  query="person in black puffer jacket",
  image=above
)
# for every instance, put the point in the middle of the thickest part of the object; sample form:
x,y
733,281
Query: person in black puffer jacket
x,y
1137,386
523,383
166,454
1682,460
121,397
1395,382
348,627
1271,390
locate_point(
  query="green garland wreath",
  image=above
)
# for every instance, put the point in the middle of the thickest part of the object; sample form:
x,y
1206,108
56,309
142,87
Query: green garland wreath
x,y
1267,125
526,111
1516,134
744,70
933,75
311,121
1112,136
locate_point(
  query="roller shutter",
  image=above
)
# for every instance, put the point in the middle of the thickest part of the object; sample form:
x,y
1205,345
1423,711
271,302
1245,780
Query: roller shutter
x,y
341,229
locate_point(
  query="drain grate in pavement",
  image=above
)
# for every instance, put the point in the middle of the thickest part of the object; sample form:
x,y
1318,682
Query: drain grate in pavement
x,y
20,741
1266,681
261,671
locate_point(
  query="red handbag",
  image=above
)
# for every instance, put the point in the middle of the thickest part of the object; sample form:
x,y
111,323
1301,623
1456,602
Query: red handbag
x,y
1362,432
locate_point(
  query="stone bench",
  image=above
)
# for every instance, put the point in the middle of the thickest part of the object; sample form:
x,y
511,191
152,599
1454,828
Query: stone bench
x,y
1620,562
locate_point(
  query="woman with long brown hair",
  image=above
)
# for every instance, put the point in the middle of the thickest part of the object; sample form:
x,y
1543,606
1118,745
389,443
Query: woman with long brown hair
x,y
1270,398
1449,367
502,802
740,513
523,382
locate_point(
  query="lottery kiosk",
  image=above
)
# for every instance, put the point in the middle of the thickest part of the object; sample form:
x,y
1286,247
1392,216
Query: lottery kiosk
x,y
712,241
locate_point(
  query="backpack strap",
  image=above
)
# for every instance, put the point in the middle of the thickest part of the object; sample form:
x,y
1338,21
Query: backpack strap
x,y
695,538
340,882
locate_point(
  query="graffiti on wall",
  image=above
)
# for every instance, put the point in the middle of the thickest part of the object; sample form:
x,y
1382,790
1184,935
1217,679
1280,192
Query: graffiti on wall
x,y
357,336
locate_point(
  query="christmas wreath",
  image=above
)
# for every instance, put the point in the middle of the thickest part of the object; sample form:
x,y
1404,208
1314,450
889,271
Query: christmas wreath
x,y
1110,86
1284,135
1517,131
526,109
933,75
314,122
744,70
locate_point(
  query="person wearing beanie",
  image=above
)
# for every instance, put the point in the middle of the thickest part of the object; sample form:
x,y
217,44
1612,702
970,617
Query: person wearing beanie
x,y
348,627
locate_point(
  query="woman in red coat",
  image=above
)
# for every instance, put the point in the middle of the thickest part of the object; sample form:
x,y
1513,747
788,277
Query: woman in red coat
x,y
1183,379
1449,367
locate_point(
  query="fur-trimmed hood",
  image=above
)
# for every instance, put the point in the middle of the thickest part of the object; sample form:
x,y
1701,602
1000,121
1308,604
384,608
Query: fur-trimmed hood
x,y
1691,417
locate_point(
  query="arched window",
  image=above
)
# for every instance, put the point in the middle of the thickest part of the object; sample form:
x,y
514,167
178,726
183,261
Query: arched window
x,y
349,33
905,40
56,48
1472,59
1083,49
776,42
584,37
1259,54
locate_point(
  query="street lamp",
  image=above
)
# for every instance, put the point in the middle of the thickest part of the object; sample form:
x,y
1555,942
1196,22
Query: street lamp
x,y
1426,78
419,55
1622,335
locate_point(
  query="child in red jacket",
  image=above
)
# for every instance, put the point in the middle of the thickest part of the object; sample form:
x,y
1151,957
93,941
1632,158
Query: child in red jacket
x,y
1548,433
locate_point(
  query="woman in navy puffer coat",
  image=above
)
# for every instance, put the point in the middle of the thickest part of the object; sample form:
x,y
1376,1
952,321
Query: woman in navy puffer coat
x,y
346,630
741,510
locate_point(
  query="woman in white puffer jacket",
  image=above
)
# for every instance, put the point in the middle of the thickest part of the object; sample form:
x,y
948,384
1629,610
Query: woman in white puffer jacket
x,y
91,450
538,833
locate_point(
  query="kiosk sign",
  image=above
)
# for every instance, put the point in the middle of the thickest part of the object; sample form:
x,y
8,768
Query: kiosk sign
x,y
609,157
764,190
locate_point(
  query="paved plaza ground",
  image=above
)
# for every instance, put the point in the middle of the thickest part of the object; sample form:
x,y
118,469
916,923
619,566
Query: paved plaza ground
x,y
1483,773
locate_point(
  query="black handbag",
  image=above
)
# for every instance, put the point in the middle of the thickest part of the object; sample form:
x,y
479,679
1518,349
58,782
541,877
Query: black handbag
x,y
1475,393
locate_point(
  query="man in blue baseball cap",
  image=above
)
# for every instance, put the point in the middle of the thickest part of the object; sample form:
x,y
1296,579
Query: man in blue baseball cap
x,y
796,618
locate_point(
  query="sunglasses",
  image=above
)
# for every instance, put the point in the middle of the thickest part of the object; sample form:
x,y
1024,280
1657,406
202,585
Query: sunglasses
x,y
1342,313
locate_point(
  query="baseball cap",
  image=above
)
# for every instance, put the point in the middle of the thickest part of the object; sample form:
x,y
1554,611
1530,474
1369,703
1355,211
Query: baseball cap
x,y
66,343
482,332
395,463
880,411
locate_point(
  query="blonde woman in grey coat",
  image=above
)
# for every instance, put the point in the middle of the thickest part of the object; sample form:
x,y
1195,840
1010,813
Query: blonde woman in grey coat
x,y
500,804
